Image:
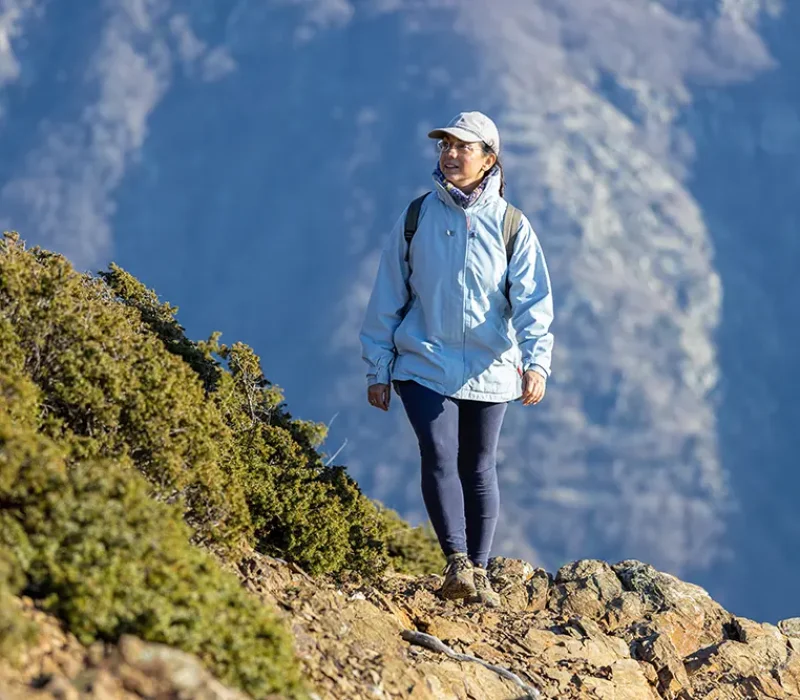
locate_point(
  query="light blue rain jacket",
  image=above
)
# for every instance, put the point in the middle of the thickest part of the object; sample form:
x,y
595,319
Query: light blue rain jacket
x,y
443,319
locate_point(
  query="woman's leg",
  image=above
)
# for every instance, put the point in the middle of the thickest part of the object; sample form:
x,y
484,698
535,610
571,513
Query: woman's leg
x,y
479,432
435,421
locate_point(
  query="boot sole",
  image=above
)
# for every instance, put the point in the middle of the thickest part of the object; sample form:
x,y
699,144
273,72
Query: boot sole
x,y
457,591
478,600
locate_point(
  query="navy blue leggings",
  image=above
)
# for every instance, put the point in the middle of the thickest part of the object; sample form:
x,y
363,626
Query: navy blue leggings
x,y
458,446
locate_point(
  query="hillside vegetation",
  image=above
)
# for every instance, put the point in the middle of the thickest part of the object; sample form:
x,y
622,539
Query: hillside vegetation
x,y
136,465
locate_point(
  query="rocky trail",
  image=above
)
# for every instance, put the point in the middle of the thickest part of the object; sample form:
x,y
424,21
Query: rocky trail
x,y
621,632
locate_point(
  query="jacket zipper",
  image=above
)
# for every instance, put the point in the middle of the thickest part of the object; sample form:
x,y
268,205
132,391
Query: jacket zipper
x,y
464,304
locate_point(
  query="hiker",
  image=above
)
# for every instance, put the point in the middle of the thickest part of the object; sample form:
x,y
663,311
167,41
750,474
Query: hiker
x,y
458,322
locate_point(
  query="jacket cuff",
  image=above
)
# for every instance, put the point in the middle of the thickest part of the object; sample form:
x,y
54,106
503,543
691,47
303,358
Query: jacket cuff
x,y
539,369
382,376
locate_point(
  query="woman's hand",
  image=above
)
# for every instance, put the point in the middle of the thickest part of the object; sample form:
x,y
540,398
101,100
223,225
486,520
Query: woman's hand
x,y
533,387
379,395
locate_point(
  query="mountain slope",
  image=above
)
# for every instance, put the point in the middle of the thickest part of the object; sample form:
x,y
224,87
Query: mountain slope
x,y
259,151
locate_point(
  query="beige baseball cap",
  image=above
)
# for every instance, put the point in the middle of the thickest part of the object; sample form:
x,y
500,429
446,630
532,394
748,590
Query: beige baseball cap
x,y
471,127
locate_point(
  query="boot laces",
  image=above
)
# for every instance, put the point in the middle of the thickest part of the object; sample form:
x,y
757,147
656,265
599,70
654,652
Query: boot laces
x,y
457,564
481,579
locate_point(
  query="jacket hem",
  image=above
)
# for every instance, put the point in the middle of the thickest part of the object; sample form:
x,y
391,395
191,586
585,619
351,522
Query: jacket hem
x,y
427,383
503,397
488,396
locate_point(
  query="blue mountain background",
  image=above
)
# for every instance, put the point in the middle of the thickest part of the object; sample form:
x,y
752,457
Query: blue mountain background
x,y
246,159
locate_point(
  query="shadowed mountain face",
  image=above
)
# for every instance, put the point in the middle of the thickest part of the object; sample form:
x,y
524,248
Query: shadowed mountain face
x,y
247,159
746,178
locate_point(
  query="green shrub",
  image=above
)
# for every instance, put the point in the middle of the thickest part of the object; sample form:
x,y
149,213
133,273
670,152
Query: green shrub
x,y
411,550
161,320
300,509
315,516
18,408
108,560
114,376
16,632
115,429
109,388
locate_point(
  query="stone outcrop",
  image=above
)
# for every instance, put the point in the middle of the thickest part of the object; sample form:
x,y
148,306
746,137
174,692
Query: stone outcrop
x,y
58,666
621,632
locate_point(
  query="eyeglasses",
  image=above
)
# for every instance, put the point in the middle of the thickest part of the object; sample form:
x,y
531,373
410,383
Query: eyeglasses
x,y
461,147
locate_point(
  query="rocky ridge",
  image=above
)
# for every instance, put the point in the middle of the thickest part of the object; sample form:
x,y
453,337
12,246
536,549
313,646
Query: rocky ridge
x,y
594,630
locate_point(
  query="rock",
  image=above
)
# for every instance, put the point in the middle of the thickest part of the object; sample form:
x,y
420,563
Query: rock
x,y
137,681
623,610
487,652
60,688
95,654
156,668
756,657
661,591
659,651
626,681
583,569
585,588
790,627
683,611
538,589
764,641
452,680
100,683
598,664
537,641
511,579
451,631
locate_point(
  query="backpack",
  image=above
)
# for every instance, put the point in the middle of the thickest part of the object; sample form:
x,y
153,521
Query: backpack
x,y
511,222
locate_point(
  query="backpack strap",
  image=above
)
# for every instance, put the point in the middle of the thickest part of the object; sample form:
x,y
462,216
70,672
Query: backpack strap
x,y
412,220
511,222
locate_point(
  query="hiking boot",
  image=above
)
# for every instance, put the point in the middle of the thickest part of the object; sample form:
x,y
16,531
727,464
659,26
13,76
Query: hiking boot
x,y
458,578
484,593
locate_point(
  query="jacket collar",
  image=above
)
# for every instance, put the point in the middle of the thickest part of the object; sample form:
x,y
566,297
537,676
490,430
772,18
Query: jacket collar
x,y
491,191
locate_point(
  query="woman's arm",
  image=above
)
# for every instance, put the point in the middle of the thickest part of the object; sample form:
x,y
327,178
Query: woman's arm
x,y
531,301
387,305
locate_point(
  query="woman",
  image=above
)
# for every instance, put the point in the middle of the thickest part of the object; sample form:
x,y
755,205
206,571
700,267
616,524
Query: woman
x,y
460,329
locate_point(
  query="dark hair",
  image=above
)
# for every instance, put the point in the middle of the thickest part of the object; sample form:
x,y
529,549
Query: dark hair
x,y
488,151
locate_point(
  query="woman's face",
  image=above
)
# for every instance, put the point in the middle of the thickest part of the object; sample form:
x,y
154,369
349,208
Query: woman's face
x,y
464,164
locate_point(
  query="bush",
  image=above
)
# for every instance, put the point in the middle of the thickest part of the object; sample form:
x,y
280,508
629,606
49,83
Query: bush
x,y
114,375
161,319
411,550
16,632
116,431
108,560
299,509
109,388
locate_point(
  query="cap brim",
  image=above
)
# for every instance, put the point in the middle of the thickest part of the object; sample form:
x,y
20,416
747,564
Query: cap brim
x,y
460,134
